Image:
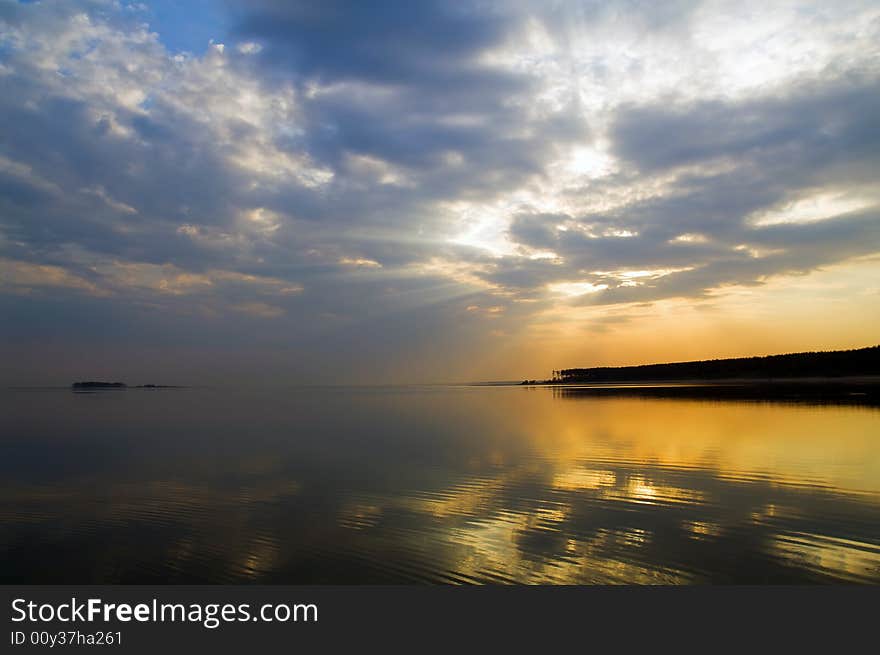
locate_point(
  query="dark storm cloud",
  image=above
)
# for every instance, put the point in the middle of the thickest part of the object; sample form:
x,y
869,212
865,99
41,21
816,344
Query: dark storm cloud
x,y
418,43
403,83
818,124
536,230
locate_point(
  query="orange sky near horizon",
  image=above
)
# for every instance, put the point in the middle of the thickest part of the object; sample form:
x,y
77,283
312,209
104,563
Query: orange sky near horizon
x,y
832,309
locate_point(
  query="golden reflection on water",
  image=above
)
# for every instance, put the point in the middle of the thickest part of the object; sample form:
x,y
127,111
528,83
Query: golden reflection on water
x,y
835,446
497,485
649,453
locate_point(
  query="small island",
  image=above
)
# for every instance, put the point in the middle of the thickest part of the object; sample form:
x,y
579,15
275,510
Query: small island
x,y
95,385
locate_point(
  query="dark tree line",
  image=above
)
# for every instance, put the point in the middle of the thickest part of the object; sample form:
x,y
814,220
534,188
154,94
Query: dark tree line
x,y
864,361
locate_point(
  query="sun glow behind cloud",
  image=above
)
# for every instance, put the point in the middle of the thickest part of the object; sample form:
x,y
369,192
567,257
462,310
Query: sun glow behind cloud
x,y
573,289
818,207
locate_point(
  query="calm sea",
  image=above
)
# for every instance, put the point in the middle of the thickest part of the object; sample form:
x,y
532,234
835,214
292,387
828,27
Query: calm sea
x,y
433,485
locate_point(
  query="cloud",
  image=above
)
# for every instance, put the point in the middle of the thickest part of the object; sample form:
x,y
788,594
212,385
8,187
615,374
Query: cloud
x,y
349,169
383,41
748,176
821,121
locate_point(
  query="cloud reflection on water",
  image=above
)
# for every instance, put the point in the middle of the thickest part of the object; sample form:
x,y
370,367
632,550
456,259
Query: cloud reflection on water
x,y
436,485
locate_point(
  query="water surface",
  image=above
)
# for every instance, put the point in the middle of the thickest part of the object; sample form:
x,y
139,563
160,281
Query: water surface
x,y
433,485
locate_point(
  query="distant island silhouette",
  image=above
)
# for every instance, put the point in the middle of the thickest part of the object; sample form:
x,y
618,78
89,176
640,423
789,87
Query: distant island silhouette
x,y
92,384
96,385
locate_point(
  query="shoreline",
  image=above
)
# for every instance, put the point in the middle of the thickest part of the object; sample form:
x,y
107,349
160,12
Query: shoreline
x,y
850,391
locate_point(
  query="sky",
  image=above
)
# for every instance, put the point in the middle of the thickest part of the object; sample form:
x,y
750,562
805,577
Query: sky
x,y
329,192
